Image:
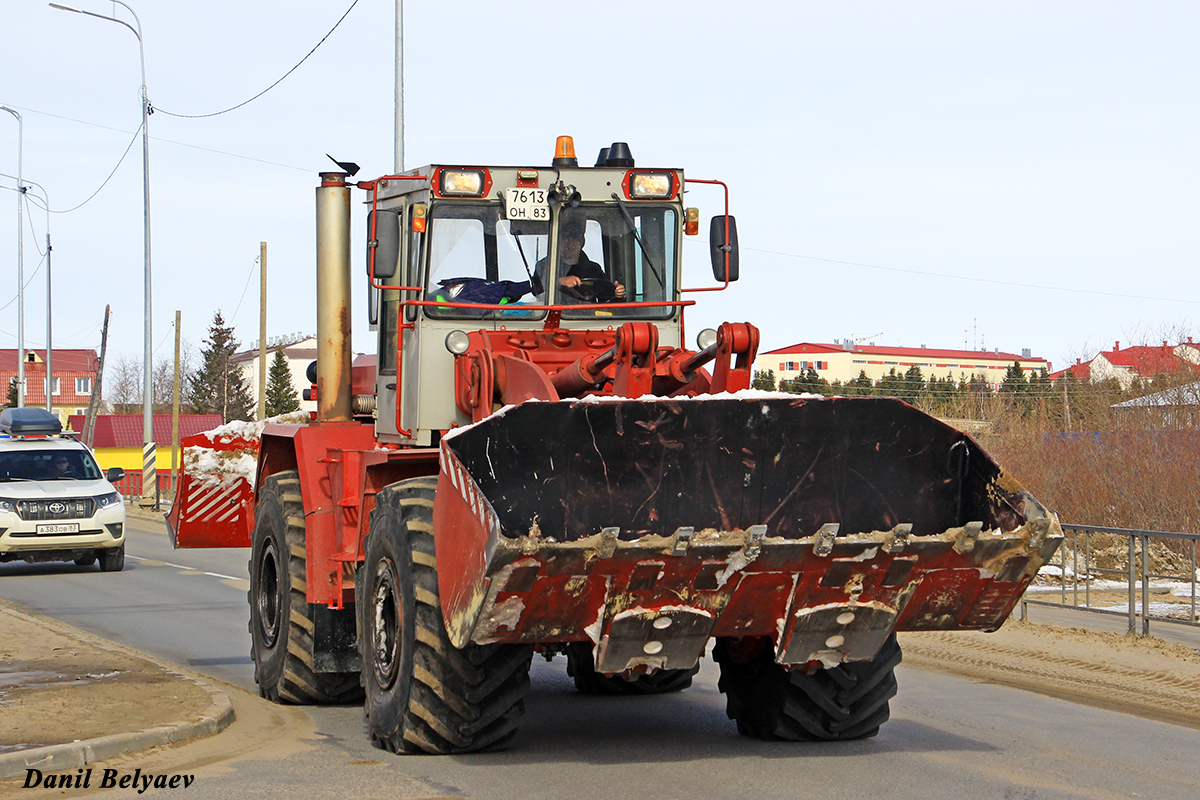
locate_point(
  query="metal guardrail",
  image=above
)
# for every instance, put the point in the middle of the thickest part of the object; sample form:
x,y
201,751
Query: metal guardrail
x,y
1135,539
130,487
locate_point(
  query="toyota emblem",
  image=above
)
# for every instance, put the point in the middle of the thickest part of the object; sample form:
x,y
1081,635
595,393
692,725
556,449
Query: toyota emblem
x,y
57,507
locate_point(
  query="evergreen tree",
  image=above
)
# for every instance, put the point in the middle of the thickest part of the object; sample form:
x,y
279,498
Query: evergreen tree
x,y
281,395
893,385
915,383
860,386
11,402
219,386
813,383
1014,380
1015,387
763,379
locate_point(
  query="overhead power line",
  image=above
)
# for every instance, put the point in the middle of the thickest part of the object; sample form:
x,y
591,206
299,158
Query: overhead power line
x,y
273,85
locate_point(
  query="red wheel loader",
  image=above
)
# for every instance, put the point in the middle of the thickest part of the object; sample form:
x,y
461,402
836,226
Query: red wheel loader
x,y
536,463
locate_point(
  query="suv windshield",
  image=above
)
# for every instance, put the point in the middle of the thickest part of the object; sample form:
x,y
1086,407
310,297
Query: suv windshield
x,y
47,465
605,255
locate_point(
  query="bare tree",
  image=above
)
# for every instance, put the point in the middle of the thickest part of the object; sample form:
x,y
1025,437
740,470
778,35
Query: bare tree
x,y
163,381
123,384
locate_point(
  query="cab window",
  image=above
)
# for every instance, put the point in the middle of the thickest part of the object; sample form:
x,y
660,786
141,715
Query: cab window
x,y
475,256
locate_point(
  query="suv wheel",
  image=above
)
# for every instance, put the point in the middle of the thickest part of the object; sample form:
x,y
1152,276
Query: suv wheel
x,y
112,560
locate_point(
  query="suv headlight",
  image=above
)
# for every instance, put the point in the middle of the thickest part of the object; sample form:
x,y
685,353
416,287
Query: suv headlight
x,y
105,500
7,505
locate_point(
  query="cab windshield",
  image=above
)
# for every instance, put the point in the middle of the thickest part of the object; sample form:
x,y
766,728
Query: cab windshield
x,y
605,256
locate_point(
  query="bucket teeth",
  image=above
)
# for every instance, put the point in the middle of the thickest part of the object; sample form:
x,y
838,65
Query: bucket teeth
x,y
608,542
970,535
755,541
899,537
1040,528
683,537
825,538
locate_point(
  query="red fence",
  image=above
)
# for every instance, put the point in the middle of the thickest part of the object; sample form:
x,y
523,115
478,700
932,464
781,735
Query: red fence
x,y
131,485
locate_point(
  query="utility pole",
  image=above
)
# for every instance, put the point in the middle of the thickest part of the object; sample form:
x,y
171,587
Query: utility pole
x,y
262,330
49,345
399,167
1066,405
175,413
89,424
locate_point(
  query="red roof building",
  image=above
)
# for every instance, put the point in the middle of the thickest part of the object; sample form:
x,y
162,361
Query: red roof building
x,y
74,376
1144,362
1081,370
125,430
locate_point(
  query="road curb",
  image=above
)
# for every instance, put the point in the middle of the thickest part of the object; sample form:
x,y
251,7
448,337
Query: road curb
x,y
52,758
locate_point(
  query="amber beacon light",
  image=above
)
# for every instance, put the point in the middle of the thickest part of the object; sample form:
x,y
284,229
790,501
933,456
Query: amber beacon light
x,y
564,153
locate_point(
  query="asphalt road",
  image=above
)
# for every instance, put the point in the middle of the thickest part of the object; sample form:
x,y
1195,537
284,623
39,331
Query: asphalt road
x,y
948,737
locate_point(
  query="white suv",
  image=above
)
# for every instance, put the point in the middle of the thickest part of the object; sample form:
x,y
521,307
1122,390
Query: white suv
x,y
55,504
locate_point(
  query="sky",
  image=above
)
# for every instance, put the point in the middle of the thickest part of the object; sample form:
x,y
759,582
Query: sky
x,y
991,175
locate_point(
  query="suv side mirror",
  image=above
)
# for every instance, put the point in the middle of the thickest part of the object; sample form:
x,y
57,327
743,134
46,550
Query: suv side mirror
x,y
114,474
386,245
720,247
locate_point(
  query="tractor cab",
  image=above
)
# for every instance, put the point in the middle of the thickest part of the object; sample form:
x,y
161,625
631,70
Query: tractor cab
x,y
456,249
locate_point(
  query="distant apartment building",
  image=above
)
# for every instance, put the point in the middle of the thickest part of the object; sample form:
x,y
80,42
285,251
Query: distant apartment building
x,y
845,361
73,379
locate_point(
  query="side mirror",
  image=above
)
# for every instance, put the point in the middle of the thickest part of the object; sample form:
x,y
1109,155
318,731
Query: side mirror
x,y
385,247
114,474
722,247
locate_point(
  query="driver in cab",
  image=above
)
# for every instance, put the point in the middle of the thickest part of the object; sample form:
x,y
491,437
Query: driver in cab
x,y
575,267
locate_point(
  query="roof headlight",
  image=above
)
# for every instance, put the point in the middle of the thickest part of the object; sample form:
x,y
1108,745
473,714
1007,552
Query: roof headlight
x,y
457,342
462,183
651,185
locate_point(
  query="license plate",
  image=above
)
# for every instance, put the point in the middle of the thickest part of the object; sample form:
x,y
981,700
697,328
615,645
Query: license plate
x,y
526,204
60,527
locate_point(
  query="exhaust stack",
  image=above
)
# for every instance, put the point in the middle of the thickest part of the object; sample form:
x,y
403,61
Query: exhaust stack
x,y
333,299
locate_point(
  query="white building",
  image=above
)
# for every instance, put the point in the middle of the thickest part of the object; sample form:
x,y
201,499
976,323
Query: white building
x,y
300,350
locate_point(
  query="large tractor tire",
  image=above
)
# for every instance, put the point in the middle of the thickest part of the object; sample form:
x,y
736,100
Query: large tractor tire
x,y
281,619
423,695
770,702
581,666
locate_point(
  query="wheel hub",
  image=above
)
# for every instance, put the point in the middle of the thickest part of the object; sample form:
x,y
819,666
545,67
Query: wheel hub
x,y
385,628
267,599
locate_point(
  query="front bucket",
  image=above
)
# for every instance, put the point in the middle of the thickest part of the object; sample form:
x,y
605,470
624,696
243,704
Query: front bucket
x,y
571,469
759,515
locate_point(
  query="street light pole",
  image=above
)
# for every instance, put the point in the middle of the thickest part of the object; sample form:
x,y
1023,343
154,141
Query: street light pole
x,y
149,474
20,261
49,327
49,307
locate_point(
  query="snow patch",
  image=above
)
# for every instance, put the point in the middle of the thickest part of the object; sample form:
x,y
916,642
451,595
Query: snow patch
x,y
219,468
251,430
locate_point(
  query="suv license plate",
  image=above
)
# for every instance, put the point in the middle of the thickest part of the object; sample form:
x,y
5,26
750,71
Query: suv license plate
x,y
526,204
62,527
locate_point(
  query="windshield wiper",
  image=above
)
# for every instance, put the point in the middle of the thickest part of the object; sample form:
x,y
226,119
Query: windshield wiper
x,y
534,284
637,236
